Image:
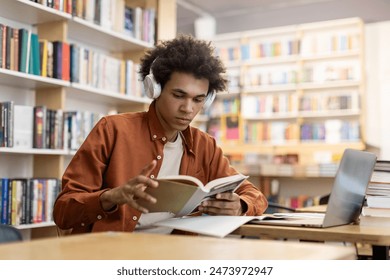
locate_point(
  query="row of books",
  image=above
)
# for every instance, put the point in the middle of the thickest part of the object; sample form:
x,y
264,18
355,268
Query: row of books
x,y
22,50
258,50
98,70
331,131
285,103
234,80
19,50
270,76
225,129
224,106
27,200
329,42
309,45
268,104
39,127
332,71
321,169
331,101
325,72
65,6
116,15
378,191
277,132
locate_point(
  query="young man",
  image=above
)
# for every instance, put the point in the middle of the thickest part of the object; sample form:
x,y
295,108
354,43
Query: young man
x,y
124,153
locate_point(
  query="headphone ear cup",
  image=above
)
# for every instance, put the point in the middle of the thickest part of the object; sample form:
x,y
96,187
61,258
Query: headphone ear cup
x,y
209,100
152,88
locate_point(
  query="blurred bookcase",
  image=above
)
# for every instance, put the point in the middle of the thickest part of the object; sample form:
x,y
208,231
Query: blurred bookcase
x,y
297,93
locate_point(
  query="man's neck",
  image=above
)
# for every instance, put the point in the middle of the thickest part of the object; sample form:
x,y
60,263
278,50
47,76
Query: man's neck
x,y
173,138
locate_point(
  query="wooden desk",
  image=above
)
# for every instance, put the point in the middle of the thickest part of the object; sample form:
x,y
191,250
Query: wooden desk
x,y
141,246
371,230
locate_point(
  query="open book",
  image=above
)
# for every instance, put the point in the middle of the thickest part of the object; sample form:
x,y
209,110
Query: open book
x,y
181,194
216,226
220,226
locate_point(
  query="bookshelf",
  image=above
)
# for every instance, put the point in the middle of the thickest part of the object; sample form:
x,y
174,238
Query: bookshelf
x,y
61,24
300,88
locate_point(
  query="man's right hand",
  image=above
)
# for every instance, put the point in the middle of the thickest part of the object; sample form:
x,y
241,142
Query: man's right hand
x,y
130,192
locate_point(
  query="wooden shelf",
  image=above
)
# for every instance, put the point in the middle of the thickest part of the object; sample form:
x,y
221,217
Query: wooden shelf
x,y
29,12
94,35
28,81
335,55
328,85
83,92
274,116
290,148
269,88
89,93
33,151
36,225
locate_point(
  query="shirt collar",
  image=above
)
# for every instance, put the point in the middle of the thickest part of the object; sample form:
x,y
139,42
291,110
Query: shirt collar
x,y
157,132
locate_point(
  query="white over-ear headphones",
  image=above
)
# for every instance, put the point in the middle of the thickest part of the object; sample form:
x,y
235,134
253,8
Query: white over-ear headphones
x,y
153,89
209,99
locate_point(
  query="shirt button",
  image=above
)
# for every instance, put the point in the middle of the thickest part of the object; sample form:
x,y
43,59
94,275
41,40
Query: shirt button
x,y
158,157
154,136
152,176
82,224
134,218
99,217
164,138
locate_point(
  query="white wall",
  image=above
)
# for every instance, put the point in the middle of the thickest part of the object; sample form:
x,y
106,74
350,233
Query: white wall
x,y
378,86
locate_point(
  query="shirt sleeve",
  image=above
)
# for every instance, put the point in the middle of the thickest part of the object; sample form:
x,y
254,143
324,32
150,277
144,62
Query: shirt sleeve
x,y
78,205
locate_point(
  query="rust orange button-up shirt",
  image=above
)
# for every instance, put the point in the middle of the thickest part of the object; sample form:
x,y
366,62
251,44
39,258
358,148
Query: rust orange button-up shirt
x,y
115,151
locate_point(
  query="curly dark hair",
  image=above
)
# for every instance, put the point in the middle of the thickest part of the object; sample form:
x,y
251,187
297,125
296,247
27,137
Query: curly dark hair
x,y
184,54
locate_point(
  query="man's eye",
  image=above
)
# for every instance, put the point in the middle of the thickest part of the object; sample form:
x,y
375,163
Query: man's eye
x,y
178,95
199,100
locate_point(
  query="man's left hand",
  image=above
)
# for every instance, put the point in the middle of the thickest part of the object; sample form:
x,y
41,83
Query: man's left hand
x,y
228,204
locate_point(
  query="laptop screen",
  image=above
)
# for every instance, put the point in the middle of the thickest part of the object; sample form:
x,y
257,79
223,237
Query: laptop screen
x,y
349,187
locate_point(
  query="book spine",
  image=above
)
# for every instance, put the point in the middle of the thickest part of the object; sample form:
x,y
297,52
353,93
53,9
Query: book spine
x,y
39,133
2,120
4,201
23,219
10,131
1,44
65,61
57,60
8,55
43,57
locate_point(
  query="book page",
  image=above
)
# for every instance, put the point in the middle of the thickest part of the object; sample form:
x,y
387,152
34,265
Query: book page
x,y
185,179
217,226
226,183
171,197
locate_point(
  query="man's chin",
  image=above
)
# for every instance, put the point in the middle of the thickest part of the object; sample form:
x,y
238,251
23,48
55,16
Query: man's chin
x,y
181,127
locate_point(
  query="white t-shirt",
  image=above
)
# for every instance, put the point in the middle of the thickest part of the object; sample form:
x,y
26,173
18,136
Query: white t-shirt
x,y
173,152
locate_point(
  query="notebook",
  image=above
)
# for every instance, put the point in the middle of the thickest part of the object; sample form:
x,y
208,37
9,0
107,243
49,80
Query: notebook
x,y
346,199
